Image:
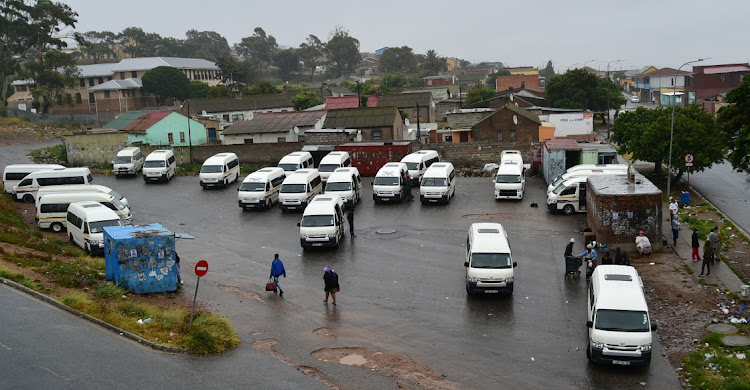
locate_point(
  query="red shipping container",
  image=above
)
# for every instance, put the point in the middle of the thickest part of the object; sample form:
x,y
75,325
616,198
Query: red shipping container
x,y
368,157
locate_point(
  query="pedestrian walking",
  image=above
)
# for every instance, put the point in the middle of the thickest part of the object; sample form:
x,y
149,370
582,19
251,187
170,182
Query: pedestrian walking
x,y
177,268
621,257
673,206
569,248
708,258
675,229
331,280
350,219
277,269
407,188
715,239
695,244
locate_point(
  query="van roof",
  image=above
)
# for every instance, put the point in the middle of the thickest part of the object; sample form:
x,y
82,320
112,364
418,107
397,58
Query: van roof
x,y
510,167
438,169
340,176
335,156
67,170
219,158
301,175
158,154
348,170
77,196
129,150
392,169
489,238
322,204
94,211
264,173
618,287
419,155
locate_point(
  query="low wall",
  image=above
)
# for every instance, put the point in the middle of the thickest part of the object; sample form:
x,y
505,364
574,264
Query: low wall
x,y
474,154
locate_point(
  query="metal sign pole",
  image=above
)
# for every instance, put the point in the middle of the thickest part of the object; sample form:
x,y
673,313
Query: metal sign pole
x,y
194,299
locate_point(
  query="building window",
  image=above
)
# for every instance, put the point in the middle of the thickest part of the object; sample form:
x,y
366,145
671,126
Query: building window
x,y
101,80
377,135
109,78
134,74
170,137
106,94
91,97
281,139
21,88
91,82
448,138
122,75
248,140
182,136
78,98
512,136
59,99
500,135
300,138
83,82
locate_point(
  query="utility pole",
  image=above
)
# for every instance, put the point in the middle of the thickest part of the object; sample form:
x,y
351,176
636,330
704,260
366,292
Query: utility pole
x,y
608,93
419,130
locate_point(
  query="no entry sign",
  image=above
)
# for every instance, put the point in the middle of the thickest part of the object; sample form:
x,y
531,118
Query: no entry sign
x,y
201,268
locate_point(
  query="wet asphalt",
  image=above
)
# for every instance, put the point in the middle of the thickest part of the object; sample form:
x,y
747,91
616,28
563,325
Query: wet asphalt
x,y
402,292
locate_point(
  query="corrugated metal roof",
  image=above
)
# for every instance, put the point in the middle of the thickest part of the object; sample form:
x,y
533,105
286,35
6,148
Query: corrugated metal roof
x,y
354,118
112,85
725,69
405,100
96,70
336,102
123,120
275,122
667,72
246,103
562,144
145,121
148,63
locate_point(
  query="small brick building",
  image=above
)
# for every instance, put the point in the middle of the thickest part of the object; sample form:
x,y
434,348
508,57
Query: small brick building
x,y
508,124
620,206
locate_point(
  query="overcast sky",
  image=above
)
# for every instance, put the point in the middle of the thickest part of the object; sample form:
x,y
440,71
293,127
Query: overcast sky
x,y
663,33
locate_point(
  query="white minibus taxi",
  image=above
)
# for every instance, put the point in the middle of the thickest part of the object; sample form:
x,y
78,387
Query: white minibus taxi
x,y
299,188
587,172
619,327
333,161
389,182
260,189
296,160
220,170
322,222
81,188
51,208
510,181
489,261
438,183
86,222
128,161
14,173
27,188
418,162
347,184
160,165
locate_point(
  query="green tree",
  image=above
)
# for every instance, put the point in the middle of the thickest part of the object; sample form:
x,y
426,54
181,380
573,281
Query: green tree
x,y
311,53
260,48
236,73
582,90
132,40
342,51
220,91
398,60
198,89
646,133
99,45
208,45
263,87
306,99
479,94
166,82
734,120
287,64
15,39
395,81
56,72
548,71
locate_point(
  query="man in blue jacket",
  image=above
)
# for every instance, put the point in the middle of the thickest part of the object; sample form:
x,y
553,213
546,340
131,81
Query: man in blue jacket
x,y
277,269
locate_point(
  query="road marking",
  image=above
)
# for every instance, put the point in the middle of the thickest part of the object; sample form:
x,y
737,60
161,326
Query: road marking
x,y
6,347
54,373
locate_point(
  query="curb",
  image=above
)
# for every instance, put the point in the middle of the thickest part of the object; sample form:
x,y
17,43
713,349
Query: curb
x,y
106,325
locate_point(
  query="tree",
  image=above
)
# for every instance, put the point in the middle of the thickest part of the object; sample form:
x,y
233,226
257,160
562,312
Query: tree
x,y
479,94
306,99
198,89
311,53
208,45
53,75
646,133
734,121
15,38
394,80
263,87
166,82
259,47
343,53
99,45
287,63
433,62
398,60
132,39
582,90
235,73
548,71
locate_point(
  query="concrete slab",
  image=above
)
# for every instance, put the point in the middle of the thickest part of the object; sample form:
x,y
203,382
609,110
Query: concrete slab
x,y
736,341
723,328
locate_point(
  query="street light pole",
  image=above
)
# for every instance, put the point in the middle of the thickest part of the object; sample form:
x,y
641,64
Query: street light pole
x,y
671,129
608,92
190,136
419,130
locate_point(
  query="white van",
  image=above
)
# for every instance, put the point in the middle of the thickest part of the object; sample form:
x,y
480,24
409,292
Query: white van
x,y
618,320
333,161
260,189
81,188
296,160
51,208
14,173
389,182
299,188
622,169
489,261
322,222
27,188
347,184
86,222
418,162
569,196
128,161
438,183
160,165
220,170
510,181
511,155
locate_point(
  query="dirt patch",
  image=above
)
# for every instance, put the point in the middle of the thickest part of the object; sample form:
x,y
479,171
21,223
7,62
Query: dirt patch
x,y
266,346
325,332
242,294
405,371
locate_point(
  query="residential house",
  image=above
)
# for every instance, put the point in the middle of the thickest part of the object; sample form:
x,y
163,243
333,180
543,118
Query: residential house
x,y
668,83
243,108
373,123
642,83
471,78
273,127
407,104
430,81
336,102
711,81
159,128
510,124
524,70
368,66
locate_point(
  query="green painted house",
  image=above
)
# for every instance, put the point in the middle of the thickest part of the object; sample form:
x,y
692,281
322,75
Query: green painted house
x,y
159,128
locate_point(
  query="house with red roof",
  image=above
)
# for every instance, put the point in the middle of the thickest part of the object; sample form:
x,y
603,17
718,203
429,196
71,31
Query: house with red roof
x,y
159,128
710,82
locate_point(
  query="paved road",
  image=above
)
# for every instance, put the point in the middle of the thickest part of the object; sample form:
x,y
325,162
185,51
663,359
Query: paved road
x,y
729,190
42,347
401,292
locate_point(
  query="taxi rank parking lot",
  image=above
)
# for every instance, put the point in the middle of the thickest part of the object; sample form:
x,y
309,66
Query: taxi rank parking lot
x,y
402,292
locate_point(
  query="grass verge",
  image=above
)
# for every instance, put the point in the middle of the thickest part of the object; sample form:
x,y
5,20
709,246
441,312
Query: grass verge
x,y
716,366
56,154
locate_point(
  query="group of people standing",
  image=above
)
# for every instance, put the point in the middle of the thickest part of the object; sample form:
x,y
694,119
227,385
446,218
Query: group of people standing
x,y
711,249
330,278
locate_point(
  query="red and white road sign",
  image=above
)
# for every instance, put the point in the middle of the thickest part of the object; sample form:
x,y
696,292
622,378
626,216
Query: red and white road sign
x,y
201,268
689,158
